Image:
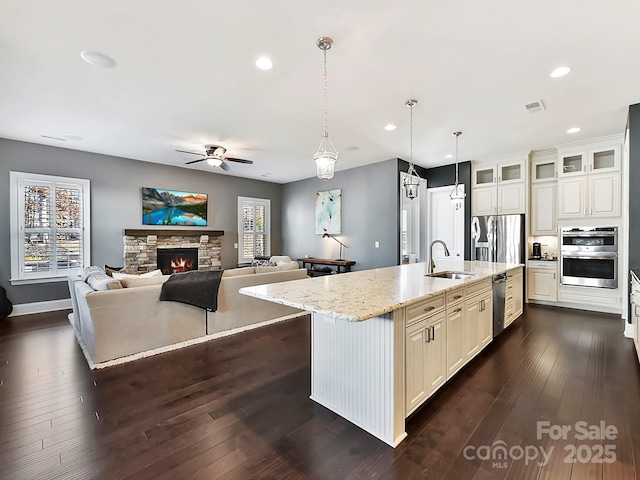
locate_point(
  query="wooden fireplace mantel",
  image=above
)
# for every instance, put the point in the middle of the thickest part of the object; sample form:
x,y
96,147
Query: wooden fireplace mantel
x,y
169,232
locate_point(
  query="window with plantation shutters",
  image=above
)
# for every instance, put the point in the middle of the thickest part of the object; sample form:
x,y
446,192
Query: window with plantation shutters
x,y
254,228
49,227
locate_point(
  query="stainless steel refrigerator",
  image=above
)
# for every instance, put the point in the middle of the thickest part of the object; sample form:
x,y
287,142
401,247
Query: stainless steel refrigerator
x,y
498,238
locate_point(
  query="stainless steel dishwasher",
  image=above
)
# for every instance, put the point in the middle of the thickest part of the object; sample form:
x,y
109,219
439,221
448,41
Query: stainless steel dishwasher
x,y
499,293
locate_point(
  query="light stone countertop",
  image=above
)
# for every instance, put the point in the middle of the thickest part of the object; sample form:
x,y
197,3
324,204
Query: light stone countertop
x,y
365,294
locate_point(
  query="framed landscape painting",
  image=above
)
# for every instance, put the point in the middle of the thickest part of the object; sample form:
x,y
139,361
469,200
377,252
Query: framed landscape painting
x,y
329,212
173,207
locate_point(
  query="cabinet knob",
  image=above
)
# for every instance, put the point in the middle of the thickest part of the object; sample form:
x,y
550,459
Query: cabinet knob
x,y
457,310
429,308
456,297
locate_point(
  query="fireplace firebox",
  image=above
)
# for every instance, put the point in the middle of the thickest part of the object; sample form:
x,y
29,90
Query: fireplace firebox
x,y
177,260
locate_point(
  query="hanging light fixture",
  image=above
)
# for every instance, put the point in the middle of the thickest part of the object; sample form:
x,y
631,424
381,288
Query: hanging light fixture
x,y
327,155
457,195
412,180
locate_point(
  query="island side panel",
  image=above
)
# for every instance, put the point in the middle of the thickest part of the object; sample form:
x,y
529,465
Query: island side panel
x,y
357,371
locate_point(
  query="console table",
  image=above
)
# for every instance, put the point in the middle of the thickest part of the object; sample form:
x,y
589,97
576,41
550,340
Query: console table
x,y
342,266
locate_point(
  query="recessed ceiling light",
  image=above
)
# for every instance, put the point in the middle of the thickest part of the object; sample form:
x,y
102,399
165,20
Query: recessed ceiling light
x,y
263,63
573,130
448,155
390,127
560,72
98,59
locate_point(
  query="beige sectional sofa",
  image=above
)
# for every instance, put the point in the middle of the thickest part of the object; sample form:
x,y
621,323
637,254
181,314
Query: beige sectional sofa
x,y
118,318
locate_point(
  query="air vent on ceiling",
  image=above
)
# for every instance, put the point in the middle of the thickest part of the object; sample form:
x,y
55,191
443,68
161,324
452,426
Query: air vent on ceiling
x,y
54,138
534,106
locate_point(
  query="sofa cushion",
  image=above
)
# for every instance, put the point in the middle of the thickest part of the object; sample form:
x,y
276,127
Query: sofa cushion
x,y
278,268
234,272
261,262
89,270
120,276
140,281
280,259
100,281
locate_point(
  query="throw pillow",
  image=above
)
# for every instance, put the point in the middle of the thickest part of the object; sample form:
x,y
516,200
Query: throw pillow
x,y
236,272
261,262
120,276
89,270
100,281
279,259
139,281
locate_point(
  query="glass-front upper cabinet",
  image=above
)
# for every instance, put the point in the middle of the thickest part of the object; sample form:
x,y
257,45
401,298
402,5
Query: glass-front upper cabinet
x,y
487,174
543,166
595,160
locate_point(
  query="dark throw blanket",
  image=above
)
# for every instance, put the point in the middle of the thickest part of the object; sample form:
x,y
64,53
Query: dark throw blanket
x,y
199,288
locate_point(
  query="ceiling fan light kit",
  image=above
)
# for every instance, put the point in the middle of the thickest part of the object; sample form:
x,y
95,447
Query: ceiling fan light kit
x,y
327,155
215,155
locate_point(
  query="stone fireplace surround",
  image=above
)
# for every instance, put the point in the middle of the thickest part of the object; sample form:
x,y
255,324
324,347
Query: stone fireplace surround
x,y
140,247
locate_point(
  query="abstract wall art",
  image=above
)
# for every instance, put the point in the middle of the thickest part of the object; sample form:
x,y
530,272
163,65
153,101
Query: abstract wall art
x,y
329,212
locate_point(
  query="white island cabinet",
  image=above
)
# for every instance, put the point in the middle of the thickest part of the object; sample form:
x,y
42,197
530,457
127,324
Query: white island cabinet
x,y
384,340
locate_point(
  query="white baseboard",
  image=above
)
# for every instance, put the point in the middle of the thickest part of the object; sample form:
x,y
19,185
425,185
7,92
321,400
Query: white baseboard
x,y
628,330
40,307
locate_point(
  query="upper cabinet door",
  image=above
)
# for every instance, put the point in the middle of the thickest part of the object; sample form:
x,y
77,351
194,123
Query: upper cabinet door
x,y
484,201
484,176
572,197
574,163
604,160
511,172
543,208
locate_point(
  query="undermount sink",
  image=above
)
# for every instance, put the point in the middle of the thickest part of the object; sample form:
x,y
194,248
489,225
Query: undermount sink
x,y
452,275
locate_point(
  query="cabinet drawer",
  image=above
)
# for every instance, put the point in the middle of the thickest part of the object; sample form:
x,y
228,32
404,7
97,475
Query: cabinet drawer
x,y
419,310
477,287
455,296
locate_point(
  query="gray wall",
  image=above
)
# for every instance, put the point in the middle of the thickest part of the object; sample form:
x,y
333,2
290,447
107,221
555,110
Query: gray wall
x,y
116,203
369,214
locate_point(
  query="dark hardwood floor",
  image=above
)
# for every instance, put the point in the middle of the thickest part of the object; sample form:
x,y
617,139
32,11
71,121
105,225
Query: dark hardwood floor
x,y
238,408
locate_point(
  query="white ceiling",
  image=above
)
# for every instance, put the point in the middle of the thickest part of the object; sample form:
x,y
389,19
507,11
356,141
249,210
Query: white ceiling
x,y
186,77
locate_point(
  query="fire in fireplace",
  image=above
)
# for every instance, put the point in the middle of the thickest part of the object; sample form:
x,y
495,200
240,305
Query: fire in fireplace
x,y
177,260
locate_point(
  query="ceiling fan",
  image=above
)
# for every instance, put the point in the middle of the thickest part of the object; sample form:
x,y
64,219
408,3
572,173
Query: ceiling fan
x,y
215,156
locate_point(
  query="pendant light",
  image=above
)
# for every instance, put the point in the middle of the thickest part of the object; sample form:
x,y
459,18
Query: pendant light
x,y
411,183
457,195
327,155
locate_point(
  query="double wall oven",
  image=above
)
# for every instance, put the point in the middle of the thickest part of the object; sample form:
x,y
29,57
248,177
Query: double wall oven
x,y
589,257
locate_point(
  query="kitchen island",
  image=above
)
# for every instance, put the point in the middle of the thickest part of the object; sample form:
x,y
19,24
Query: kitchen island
x,y
384,340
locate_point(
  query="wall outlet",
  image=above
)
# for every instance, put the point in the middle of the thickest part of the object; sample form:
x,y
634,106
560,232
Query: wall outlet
x,y
235,245
376,244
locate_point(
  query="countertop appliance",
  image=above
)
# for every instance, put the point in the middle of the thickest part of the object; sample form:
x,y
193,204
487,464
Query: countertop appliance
x,y
536,251
589,256
499,294
498,238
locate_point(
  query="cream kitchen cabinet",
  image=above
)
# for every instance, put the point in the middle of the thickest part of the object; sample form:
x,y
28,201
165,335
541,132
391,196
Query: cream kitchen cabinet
x,y
592,195
542,280
499,188
582,159
500,200
544,208
469,323
425,358
425,350
513,297
478,323
455,338
506,171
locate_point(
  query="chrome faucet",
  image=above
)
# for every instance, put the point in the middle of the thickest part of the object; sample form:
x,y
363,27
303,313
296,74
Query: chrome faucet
x,y
432,264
